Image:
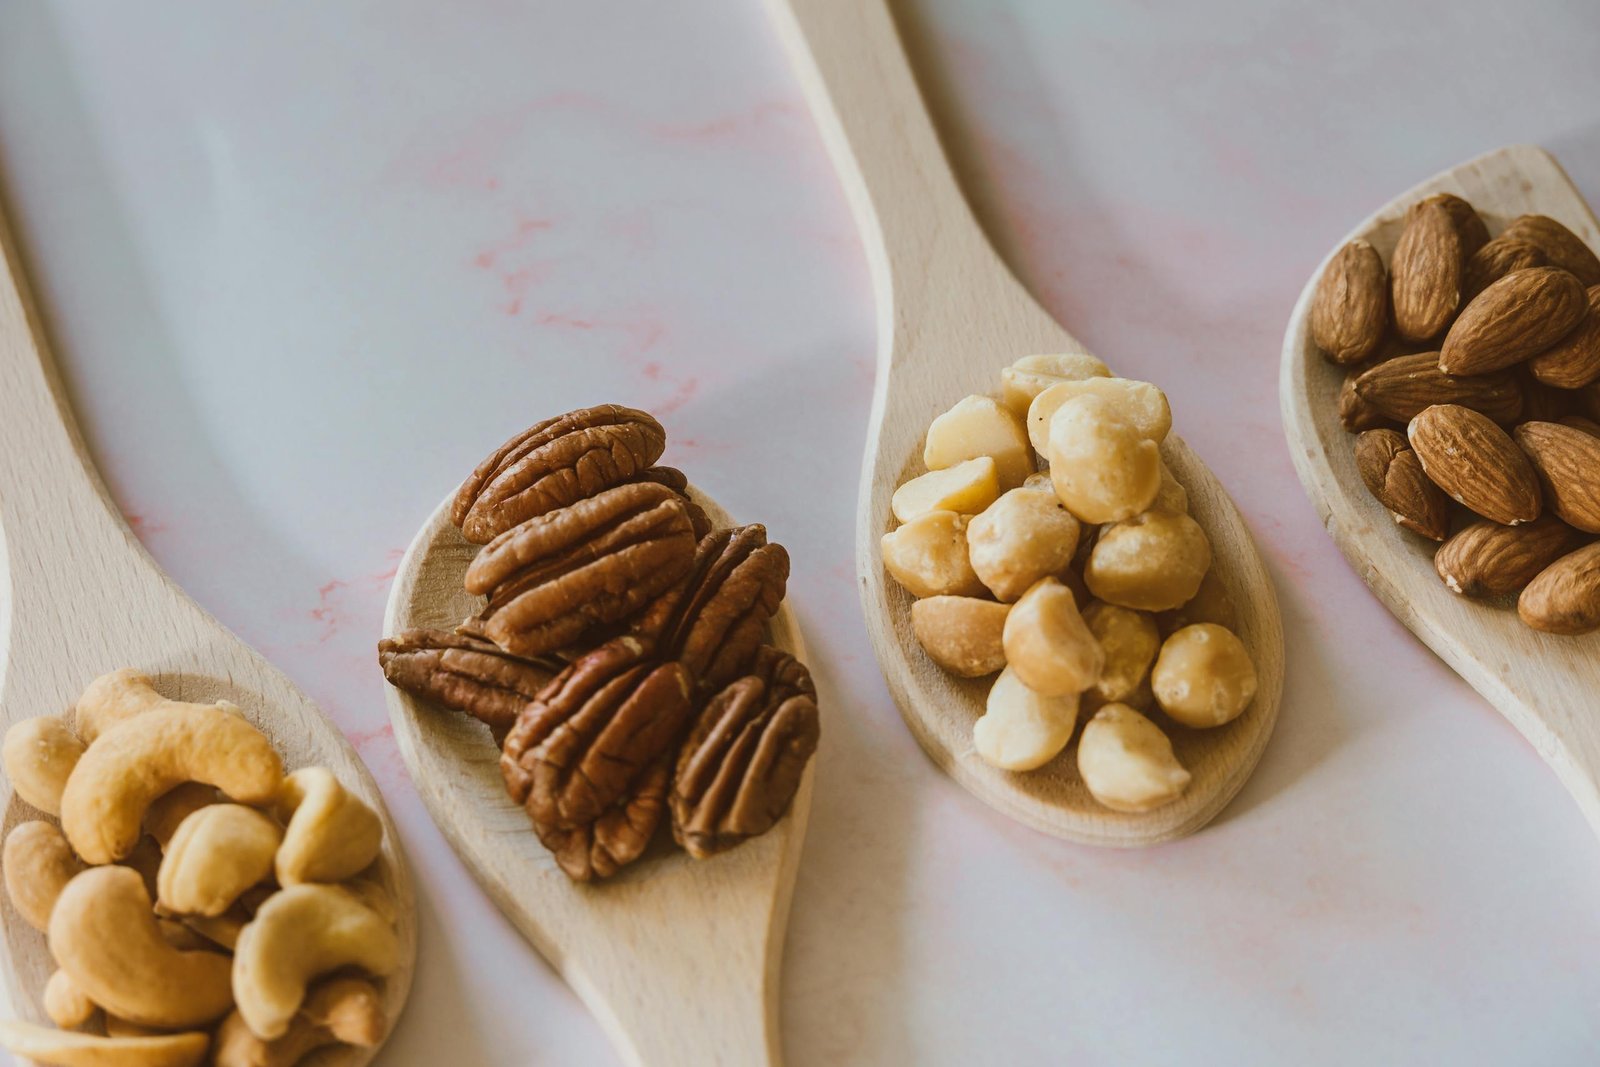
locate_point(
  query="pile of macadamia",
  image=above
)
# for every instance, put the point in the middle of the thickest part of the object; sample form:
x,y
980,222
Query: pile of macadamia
x,y
1087,587
199,903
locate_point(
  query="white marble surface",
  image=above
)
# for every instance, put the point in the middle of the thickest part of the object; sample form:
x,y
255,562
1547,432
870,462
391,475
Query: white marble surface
x,y
305,263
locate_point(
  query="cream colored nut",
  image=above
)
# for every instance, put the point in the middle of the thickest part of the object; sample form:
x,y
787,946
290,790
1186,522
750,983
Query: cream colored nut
x,y
369,892
136,761
1025,535
167,812
1172,496
1203,676
180,937
114,698
38,865
116,1027
1048,643
217,853
1211,603
220,930
1127,763
64,1048
928,555
1138,403
300,934
1039,480
331,833
1130,640
1102,467
980,426
65,1004
104,934
1032,375
962,634
1020,729
967,488
345,1011
39,755
1153,562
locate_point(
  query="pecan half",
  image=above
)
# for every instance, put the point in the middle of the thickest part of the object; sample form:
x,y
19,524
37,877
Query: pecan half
x,y
557,577
555,463
464,673
739,770
618,837
716,618
579,749
674,479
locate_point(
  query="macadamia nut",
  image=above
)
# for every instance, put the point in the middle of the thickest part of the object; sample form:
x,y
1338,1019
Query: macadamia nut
x,y
1130,641
1127,762
1138,403
928,555
967,488
1032,375
962,634
1203,676
1049,644
980,426
1211,603
1153,562
1025,535
1020,729
1102,467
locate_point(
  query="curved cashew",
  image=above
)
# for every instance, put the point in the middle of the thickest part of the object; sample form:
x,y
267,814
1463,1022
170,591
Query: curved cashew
x,y
224,929
116,1027
217,853
39,755
341,1011
63,1048
300,933
103,934
331,834
65,1003
113,698
371,893
133,763
38,865
167,811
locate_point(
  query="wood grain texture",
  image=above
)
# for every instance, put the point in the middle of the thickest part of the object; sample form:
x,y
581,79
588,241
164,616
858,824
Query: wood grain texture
x,y
677,958
79,596
950,317
1545,685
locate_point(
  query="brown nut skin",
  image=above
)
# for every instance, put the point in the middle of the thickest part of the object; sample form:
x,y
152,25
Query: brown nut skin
x,y
1487,559
553,464
1476,463
1153,562
1427,270
1393,475
962,634
1403,387
600,849
1356,414
1565,597
1574,361
464,673
1567,460
1203,676
1026,535
1512,320
1498,258
1350,308
1561,246
1048,644
39,755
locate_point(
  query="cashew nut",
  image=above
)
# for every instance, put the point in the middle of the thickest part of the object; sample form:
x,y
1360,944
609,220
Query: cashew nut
x,y
341,1011
217,853
113,698
299,934
224,929
39,755
136,761
168,811
116,1027
38,865
104,934
374,896
64,1048
181,937
331,834
146,859
65,1003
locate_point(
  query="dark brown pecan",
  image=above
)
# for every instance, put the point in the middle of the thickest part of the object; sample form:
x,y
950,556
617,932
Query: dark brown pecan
x,y
560,576
715,619
674,479
578,749
739,770
464,673
617,838
555,463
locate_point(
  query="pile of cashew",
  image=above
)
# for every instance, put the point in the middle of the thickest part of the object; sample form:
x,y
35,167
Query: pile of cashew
x,y
195,898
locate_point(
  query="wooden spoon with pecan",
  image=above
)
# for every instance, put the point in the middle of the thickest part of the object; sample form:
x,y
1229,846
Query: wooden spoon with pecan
x,y
950,316
1545,685
80,597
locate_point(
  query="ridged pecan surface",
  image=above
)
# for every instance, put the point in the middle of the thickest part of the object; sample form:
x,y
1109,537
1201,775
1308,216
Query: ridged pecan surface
x,y
464,673
617,838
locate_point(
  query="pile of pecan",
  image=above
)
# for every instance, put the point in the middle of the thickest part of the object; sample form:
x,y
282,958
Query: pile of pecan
x,y
620,658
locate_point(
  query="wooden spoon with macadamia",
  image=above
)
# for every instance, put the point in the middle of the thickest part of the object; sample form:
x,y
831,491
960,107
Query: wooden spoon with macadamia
x,y
981,606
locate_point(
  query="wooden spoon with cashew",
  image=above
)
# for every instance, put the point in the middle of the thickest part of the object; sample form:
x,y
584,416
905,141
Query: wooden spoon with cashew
x,y
950,316
1545,685
80,597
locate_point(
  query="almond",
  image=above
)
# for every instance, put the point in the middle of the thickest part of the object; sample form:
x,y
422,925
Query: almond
x,y
1486,559
1356,414
1476,463
1565,597
1394,475
1518,316
1401,388
1578,422
1474,233
1575,360
1498,258
1568,463
1560,245
1350,309
1426,273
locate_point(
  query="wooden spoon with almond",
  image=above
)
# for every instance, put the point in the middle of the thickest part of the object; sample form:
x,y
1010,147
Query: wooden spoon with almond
x,y
950,317
1545,685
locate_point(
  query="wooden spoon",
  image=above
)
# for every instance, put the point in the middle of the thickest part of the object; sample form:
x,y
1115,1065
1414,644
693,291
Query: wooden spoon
x,y
1545,685
79,596
677,958
950,316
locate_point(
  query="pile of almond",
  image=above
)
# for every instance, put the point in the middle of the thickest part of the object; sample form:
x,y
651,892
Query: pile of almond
x,y
1474,387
